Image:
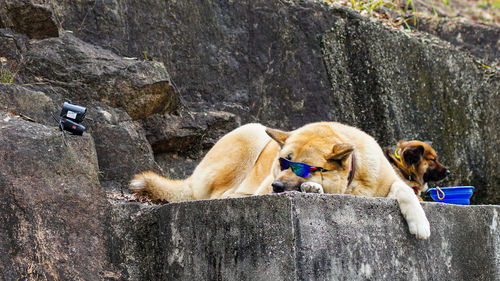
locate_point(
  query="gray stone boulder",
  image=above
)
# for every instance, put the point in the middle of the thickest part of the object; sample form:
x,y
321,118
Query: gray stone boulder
x,y
68,68
113,88
121,145
116,91
180,140
53,209
34,105
261,60
13,46
31,17
127,235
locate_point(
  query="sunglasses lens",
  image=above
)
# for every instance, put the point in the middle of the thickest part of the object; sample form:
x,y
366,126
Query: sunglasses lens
x,y
301,170
284,164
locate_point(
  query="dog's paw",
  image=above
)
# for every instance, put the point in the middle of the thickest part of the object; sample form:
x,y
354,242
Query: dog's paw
x,y
311,187
411,209
418,223
421,230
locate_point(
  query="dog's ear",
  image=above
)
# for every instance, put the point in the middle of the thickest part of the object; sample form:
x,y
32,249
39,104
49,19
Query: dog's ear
x,y
278,135
413,154
340,152
402,143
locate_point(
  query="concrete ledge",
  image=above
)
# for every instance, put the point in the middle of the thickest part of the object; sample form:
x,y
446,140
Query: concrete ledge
x,y
297,236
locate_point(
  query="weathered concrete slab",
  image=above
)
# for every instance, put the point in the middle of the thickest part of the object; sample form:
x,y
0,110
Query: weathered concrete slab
x,y
298,236
241,239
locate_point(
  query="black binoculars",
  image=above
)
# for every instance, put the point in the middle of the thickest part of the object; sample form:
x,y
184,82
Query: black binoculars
x,y
71,116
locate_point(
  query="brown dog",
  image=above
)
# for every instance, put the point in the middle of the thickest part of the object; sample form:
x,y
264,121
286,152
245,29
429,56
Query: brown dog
x,y
416,163
320,157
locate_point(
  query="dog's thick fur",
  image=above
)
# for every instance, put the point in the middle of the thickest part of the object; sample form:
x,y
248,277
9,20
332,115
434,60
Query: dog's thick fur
x,y
417,163
245,162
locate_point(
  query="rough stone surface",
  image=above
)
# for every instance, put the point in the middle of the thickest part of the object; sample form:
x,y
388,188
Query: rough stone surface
x,y
350,238
68,68
301,236
113,88
480,40
257,59
126,231
53,211
12,46
253,243
121,145
185,135
25,102
29,17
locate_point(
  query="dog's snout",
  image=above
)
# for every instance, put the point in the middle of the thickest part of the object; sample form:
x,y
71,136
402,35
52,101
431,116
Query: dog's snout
x,y
278,186
447,172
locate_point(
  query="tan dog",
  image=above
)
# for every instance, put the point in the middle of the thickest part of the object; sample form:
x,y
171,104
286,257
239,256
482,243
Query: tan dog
x,y
416,163
329,157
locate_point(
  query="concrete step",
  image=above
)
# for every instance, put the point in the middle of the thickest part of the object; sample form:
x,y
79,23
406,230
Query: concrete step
x,y
297,236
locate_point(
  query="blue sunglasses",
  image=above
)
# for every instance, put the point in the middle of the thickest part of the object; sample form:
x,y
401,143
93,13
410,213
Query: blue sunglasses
x,y
300,169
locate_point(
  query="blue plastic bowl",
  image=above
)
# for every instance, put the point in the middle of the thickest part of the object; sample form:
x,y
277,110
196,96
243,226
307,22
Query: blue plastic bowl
x,y
459,195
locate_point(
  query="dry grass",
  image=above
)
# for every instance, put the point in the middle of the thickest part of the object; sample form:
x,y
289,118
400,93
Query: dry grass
x,y
406,12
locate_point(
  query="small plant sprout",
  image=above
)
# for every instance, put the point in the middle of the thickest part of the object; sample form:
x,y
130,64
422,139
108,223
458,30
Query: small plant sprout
x,y
8,70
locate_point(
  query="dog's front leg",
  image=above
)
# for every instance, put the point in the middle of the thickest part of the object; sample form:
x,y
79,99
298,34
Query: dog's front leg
x,y
411,209
311,187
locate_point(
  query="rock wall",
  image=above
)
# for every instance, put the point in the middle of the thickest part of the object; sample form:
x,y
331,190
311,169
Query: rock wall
x,y
287,63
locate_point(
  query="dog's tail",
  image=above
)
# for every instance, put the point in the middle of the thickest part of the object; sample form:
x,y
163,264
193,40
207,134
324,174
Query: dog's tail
x,y
159,188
